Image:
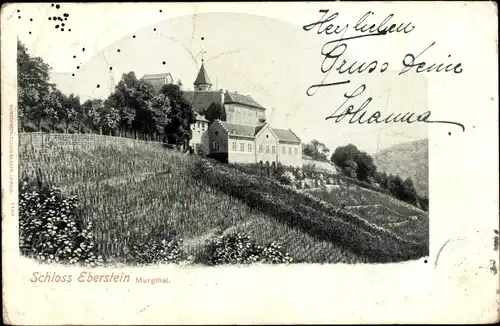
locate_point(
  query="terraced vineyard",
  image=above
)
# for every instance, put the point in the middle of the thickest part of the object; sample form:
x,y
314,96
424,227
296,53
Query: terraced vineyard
x,y
380,209
135,194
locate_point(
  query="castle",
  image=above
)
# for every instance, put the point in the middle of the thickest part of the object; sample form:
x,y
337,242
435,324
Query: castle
x,y
245,136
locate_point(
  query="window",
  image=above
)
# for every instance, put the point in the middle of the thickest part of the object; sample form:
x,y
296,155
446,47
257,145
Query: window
x,y
289,150
283,149
242,147
249,147
261,148
197,125
296,151
234,145
273,149
215,146
267,148
217,133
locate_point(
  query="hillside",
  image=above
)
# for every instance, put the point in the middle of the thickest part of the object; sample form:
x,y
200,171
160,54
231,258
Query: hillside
x,y
132,194
319,165
409,160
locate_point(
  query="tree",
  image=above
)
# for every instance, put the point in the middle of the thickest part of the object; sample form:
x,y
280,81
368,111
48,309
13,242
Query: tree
x,y
343,154
53,106
33,88
316,149
178,128
403,190
215,111
69,109
159,114
424,202
350,169
143,94
81,117
410,193
396,186
109,118
47,108
365,167
123,99
383,179
93,113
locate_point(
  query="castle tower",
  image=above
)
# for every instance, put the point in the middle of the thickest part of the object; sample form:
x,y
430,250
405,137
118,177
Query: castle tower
x,y
202,82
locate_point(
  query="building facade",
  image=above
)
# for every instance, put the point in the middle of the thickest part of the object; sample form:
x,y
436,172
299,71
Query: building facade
x,y
235,143
245,136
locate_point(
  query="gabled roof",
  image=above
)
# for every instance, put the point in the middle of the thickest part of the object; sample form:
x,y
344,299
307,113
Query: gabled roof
x,y
202,78
259,128
234,129
241,99
157,76
286,135
201,100
238,130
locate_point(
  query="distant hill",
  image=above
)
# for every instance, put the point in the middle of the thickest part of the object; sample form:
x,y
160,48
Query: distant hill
x,y
408,160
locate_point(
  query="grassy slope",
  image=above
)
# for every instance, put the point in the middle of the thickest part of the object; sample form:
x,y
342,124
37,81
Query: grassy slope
x,y
134,194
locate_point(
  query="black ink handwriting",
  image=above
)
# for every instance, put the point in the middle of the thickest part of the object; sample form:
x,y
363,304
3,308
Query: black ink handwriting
x,y
409,63
333,50
357,115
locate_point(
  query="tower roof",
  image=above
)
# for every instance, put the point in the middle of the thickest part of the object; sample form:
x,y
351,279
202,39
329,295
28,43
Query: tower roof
x,y
202,78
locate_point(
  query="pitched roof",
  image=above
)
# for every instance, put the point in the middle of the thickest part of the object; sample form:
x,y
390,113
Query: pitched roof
x,y
157,76
241,99
201,100
202,77
286,135
259,128
239,130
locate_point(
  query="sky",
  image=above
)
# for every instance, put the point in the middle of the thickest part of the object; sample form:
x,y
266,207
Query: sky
x,y
269,59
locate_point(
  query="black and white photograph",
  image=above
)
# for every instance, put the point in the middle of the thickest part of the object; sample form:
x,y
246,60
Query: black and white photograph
x,y
189,138
161,149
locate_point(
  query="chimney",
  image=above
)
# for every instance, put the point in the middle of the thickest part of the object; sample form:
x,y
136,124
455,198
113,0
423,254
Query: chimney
x,y
221,97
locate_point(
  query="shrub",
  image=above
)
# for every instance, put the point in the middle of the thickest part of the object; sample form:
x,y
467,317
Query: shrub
x,y
155,252
239,248
300,175
51,228
201,150
287,178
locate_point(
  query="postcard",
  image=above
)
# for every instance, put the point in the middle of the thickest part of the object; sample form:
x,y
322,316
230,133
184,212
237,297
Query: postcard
x,y
250,163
